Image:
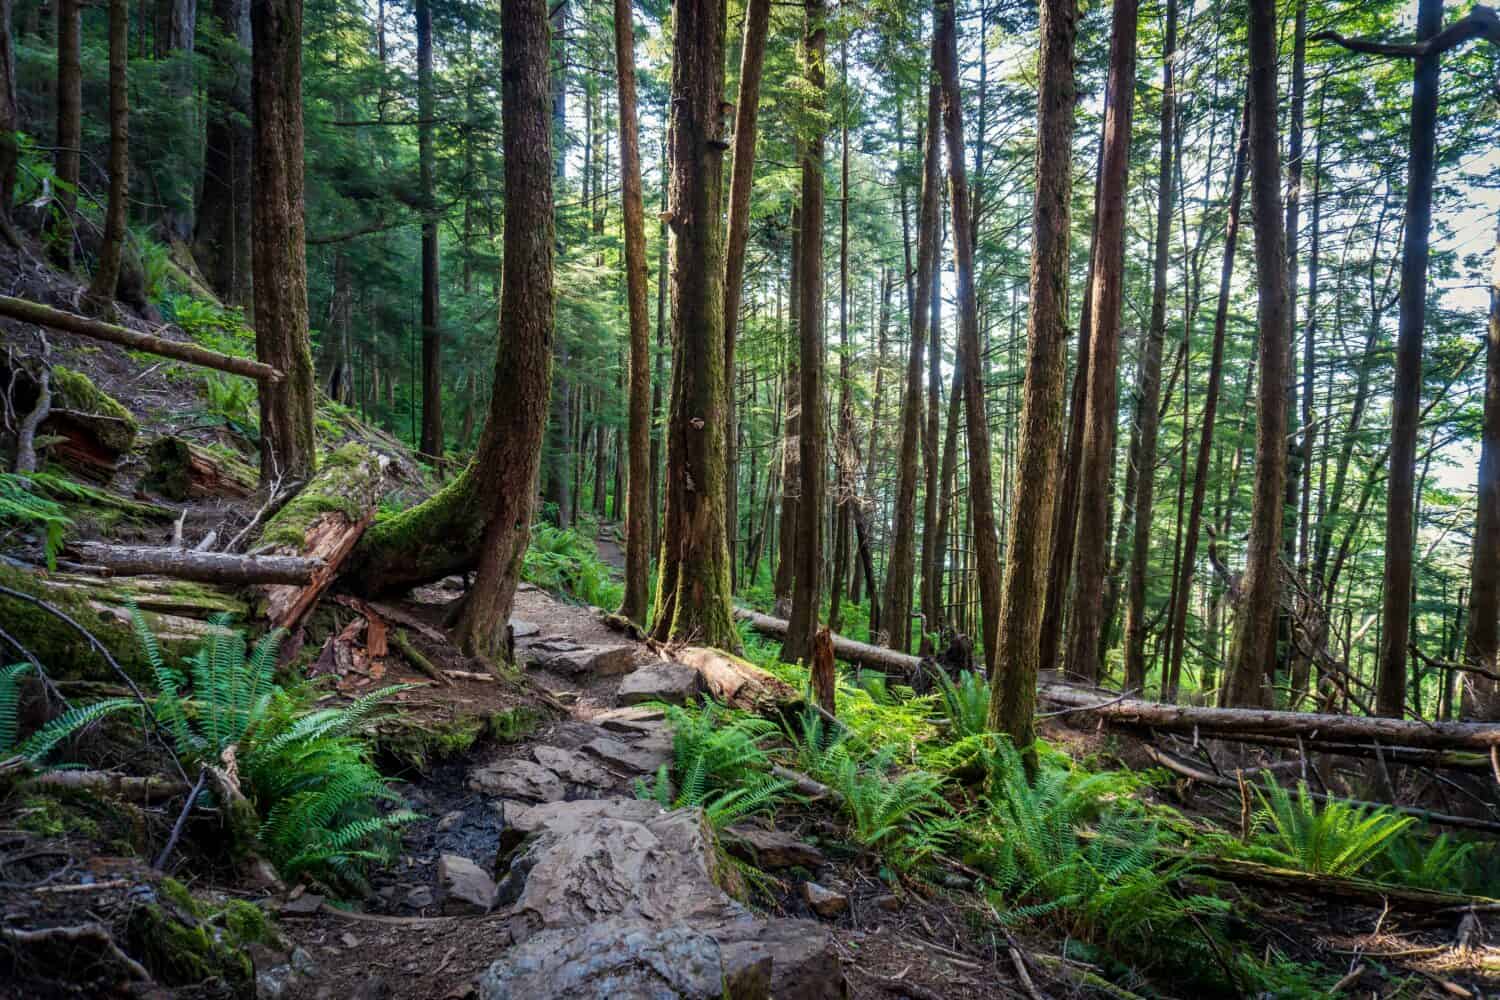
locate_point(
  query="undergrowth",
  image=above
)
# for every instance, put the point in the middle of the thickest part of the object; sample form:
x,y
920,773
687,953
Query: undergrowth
x,y
564,561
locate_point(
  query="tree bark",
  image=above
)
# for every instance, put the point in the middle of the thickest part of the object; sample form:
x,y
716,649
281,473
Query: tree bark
x,y
176,28
1253,650
638,496
288,449
791,443
111,249
432,343
69,127
1150,398
1097,443
812,428
843,451
980,473
504,472
10,123
693,580
1018,646
1177,627
221,240
1482,641
742,175
1406,400
901,566
188,564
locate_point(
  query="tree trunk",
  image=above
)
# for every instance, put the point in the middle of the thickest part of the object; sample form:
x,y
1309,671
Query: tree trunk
x,y
176,26
221,241
69,127
866,502
843,452
1406,399
1177,627
1253,650
985,539
638,497
693,581
10,123
1097,443
107,269
432,344
287,445
1018,645
901,566
1150,398
659,378
747,110
1482,643
504,472
935,506
791,443
807,580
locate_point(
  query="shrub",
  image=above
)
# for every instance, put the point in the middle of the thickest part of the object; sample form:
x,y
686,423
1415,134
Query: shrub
x,y
1337,839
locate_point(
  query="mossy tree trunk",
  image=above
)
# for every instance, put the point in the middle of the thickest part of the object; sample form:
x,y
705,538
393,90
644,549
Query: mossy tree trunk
x,y
69,126
9,123
287,446
432,343
107,270
693,579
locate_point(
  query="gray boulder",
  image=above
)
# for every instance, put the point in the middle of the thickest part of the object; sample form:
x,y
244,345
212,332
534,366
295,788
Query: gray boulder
x,y
672,683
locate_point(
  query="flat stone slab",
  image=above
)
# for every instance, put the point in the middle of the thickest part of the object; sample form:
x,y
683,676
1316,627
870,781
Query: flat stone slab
x,y
570,765
663,681
523,630
641,757
770,849
824,902
517,778
601,661
467,888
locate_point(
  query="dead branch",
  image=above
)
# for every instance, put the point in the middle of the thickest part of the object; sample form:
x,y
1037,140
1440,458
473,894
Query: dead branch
x,y
191,564
1480,23
90,933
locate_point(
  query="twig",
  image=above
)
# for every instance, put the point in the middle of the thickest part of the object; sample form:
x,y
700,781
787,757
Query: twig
x,y
187,807
114,883
416,659
1349,980
83,932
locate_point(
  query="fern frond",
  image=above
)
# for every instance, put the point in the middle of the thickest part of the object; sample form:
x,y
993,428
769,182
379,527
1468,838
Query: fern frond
x,y
40,743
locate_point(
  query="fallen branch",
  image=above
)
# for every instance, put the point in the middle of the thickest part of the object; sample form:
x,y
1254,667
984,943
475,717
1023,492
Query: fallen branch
x,y
414,656
191,564
1349,890
1187,770
1226,723
859,653
1480,23
736,682
126,786
35,312
91,933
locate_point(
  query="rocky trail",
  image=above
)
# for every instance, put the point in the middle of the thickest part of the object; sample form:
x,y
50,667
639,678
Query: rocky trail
x,y
537,872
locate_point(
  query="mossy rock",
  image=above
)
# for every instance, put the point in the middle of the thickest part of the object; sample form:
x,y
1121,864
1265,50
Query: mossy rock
x,y
180,471
106,820
421,742
76,392
184,940
347,482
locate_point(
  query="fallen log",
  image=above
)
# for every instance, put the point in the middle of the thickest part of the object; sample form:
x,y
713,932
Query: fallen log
x,y
737,682
127,786
1197,774
1458,760
180,470
1377,895
323,522
860,653
57,319
1226,723
190,564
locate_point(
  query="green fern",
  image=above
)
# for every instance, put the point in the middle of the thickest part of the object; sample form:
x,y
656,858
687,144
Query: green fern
x,y
883,811
20,505
965,703
36,747
1336,839
1443,864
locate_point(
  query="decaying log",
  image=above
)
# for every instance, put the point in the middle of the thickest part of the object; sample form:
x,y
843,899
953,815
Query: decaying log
x,y
190,564
126,786
737,682
179,470
1460,760
35,312
1226,723
1330,887
824,678
323,522
1219,781
860,653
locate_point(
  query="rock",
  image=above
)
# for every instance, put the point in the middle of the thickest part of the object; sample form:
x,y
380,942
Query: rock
x,y
304,904
643,757
616,898
663,681
770,849
523,630
450,820
824,902
570,765
559,817
632,720
517,778
373,988
467,888
419,898
600,661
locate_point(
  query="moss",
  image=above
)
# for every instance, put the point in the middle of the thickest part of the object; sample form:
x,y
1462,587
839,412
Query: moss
x,y
49,816
75,391
346,479
513,724
184,940
426,541
170,468
75,494
422,742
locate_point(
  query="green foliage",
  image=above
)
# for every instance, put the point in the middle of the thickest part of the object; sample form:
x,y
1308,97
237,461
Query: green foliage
x,y
717,765
1443,864
563,560
22,507
309,773
1336,839
889,813
39,744
966,703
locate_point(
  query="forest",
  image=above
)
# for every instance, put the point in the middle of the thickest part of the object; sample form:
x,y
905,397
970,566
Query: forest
x,y
741,499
